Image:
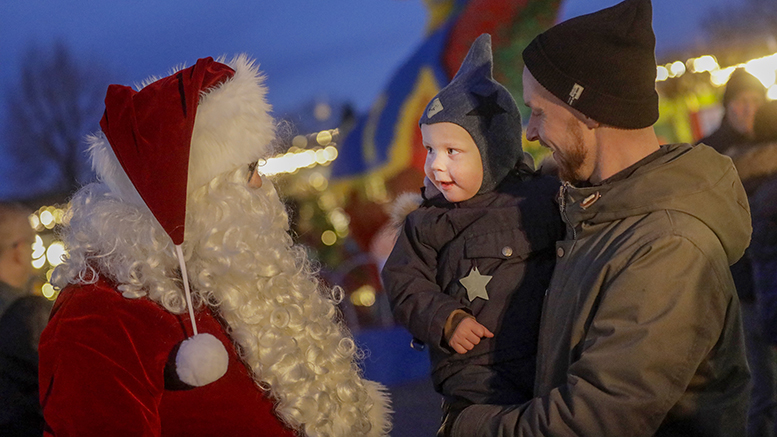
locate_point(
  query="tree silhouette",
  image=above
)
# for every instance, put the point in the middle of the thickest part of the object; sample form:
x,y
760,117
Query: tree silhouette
x,y
56,102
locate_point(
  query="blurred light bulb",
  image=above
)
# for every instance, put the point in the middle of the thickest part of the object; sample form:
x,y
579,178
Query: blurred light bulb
x,y
38,249
299,141
328,237
47,218
55,252
763,69
331,153
48,291
771,94
705,63
34,221
720,77
677,68
662,73
364,296
39,262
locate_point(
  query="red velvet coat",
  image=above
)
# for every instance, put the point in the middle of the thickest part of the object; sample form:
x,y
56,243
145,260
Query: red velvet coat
x,y
104,372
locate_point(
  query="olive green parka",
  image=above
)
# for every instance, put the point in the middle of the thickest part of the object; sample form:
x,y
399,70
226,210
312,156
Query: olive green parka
x,y
641,332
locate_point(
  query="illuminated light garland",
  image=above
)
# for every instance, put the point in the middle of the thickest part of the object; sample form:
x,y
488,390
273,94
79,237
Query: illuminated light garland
x,y
764,69
295,160
47,217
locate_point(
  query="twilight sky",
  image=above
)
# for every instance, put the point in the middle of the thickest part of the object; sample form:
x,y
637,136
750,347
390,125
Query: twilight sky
x,y
343,49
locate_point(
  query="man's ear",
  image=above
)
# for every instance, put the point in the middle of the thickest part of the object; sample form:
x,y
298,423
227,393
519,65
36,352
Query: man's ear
x,y
590,122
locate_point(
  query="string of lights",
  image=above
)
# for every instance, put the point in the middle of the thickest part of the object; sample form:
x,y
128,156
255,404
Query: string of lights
x,y
763,68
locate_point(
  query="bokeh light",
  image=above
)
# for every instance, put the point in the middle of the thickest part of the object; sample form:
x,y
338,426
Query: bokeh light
x,y
55,252
328,237
363,296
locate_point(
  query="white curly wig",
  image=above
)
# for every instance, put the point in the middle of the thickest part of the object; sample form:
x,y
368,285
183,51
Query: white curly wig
x,y
241,261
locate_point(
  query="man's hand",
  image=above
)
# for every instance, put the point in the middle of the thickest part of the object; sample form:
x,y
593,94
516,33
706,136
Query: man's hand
x,y
467,335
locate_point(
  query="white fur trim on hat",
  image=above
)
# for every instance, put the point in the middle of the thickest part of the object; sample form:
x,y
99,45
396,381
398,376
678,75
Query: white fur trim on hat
x,y
233,125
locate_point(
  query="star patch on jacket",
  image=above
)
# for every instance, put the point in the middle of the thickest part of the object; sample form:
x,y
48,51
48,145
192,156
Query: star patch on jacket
x,y
475,283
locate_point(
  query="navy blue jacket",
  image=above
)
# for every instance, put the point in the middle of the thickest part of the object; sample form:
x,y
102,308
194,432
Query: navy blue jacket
x,y
509,234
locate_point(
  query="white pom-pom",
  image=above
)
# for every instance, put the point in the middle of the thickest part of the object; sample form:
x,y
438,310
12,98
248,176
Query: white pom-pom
x,y
201,360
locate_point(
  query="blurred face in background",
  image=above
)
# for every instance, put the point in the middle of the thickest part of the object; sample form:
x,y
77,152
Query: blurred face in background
x,y
16,253
740,111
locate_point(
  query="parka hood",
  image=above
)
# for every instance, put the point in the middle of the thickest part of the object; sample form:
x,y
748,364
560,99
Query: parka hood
x,y
695,180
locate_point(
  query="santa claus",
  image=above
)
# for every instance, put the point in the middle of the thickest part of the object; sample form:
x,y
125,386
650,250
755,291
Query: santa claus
x,y
185,307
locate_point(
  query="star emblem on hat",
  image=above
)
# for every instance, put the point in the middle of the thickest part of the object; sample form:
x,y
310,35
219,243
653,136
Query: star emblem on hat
x,y
487,107
475,283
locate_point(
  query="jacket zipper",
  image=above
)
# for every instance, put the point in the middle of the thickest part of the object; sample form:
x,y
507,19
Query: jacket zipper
x,y
562,205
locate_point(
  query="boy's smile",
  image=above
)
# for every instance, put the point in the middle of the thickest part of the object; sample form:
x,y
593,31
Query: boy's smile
x,y
453,162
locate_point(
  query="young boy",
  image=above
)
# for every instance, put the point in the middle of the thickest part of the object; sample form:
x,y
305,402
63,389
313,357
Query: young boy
x,y
469,270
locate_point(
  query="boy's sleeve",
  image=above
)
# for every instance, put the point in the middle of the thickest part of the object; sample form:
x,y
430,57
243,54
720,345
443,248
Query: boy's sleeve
x,y
409,277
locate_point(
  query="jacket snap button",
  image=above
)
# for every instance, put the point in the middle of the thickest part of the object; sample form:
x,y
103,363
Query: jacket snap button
x,y
560,252
507,251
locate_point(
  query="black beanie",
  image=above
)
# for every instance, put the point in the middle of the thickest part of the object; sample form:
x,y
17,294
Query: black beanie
x,y
485,109
602,64
741,81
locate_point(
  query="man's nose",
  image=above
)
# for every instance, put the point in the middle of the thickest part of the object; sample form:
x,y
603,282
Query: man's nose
x,y
531,130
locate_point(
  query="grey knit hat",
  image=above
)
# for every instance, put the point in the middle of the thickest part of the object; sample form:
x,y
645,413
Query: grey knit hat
x,y
485,109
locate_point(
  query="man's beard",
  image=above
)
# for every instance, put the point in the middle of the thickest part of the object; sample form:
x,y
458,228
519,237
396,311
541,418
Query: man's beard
x,y
571,160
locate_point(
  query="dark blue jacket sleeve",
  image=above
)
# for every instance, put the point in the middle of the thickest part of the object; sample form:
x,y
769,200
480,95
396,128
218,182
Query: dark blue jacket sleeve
x,y
409,277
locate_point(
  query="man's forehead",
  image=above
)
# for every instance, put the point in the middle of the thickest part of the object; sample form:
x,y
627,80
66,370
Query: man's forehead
x,y
533,91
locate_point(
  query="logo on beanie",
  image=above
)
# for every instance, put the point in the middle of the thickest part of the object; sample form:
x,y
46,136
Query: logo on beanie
x,y
434,108
575,94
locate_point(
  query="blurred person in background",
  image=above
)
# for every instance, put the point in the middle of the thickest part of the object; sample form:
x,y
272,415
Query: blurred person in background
x,y
22,319
743,95
757,167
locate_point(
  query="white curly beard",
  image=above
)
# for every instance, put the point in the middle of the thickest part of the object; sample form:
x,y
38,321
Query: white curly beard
x,y
243,263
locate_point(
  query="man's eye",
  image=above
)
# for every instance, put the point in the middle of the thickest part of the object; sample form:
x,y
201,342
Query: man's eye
x,y
251,168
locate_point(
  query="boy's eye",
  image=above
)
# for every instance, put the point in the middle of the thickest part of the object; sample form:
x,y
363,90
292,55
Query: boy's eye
x,y
452,151
428,149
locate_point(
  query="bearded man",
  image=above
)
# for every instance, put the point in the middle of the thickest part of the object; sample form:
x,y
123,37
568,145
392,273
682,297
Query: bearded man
x,y
185,308
641,332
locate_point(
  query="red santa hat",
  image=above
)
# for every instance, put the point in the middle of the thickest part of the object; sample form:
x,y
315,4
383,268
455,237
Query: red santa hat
x,y
173,136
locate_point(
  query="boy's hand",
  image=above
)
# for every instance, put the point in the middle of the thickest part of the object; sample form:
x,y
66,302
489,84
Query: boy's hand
x,y
467,335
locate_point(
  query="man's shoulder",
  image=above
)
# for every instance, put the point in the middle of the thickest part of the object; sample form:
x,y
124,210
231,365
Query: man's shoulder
x,y
29,304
